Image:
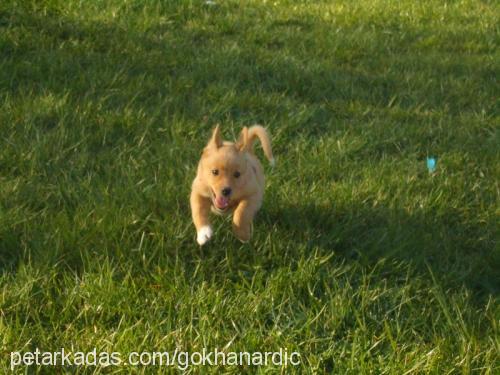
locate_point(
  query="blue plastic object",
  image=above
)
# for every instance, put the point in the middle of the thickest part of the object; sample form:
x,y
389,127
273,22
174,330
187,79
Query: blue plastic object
x,y
431,164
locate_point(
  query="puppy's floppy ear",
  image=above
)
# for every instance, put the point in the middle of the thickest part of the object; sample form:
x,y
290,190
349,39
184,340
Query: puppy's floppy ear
x,y
216,140
242,143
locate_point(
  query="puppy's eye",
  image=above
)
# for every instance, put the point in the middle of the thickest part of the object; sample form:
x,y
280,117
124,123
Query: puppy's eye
x,y
237,174
215,172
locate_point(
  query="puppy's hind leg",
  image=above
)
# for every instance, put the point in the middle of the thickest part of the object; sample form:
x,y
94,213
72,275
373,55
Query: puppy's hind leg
x,y
200,211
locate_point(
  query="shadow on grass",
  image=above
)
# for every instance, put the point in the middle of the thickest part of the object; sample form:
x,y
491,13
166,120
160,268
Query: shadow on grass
x,y
190,70
459,252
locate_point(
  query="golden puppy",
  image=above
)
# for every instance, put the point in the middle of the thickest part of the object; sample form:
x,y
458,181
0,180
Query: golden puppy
x,y
230,179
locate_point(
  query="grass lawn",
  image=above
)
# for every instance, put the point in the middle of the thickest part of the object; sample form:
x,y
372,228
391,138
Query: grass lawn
x,y
362,261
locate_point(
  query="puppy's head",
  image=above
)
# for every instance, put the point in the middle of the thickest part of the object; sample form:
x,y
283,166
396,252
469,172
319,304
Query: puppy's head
x,y
225,168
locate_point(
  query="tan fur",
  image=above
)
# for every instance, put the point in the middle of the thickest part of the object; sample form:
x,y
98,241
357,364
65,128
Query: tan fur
x,y
247,190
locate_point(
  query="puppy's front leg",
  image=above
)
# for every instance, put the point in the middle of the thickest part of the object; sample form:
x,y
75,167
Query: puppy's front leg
x,y
243,217
200,210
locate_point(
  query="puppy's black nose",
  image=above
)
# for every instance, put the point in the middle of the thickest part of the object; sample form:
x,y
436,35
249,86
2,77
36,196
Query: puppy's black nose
x,y
226,191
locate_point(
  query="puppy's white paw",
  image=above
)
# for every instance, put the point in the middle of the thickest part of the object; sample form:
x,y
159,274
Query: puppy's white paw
x,y
204,234
272,162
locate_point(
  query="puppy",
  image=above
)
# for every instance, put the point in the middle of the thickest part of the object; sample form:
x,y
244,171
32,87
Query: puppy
x,y
230,179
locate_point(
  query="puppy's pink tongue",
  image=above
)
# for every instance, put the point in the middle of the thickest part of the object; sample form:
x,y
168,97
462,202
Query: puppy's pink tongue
x,y
221,202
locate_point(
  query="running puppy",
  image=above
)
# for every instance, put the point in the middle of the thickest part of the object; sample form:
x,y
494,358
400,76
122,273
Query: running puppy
x,y
230,179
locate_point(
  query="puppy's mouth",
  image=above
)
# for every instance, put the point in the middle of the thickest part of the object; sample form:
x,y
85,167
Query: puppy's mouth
x,y
220,202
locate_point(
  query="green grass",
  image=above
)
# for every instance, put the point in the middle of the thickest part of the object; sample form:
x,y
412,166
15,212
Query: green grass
x,y
361,260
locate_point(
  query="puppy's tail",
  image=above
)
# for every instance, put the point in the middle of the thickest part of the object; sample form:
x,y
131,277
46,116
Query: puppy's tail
x,y
257,131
